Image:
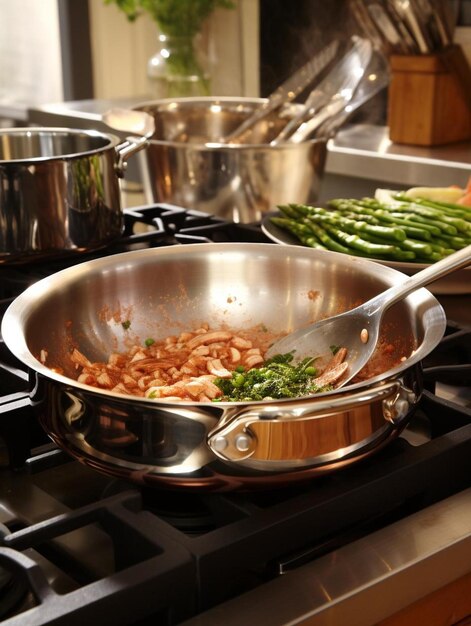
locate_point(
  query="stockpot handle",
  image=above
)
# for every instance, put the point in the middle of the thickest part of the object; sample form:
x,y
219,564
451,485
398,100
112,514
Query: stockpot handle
x,y
232,439
126,149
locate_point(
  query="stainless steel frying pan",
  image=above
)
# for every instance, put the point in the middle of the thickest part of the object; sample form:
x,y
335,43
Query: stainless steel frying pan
x,y
216,445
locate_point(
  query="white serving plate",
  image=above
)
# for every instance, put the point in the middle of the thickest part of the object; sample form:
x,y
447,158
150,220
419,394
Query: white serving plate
x,y
458,282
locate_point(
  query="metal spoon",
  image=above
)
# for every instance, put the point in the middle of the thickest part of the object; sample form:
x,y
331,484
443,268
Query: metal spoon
x,y
358,330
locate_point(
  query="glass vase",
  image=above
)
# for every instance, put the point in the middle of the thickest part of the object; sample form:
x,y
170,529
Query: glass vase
x,y
178,68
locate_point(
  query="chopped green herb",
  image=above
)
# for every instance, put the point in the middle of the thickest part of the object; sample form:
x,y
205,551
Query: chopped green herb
x,y
238,380
149,341
334,349
126,324
277,378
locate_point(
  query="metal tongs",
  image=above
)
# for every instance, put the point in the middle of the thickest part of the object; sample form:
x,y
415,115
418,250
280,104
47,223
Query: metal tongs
x,y
328,121
327,105
287,91
331,95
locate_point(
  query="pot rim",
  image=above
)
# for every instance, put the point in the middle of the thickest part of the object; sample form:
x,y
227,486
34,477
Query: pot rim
x,y
111,142
216,146
19,310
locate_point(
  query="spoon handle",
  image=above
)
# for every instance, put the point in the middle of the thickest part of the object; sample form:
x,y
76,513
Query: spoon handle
x,y
441,268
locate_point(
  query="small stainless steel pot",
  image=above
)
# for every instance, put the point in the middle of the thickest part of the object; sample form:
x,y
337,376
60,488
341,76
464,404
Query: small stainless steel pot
x,y
218,445
59,191
187,163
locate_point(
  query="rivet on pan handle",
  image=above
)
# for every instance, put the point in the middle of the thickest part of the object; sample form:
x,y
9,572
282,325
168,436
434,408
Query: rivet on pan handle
x,y
236,441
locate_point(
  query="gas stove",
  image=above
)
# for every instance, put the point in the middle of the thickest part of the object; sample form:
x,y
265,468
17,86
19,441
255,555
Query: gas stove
x,y
77,545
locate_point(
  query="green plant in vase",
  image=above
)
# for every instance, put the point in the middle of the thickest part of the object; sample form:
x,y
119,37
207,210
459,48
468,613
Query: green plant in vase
x,y
177,69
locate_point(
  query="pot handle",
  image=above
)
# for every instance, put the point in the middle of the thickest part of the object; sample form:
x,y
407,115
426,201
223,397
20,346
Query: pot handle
x,y
125,150
232,439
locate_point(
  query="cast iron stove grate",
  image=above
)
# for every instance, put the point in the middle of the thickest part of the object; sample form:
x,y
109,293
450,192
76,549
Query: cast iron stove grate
x,y
146,226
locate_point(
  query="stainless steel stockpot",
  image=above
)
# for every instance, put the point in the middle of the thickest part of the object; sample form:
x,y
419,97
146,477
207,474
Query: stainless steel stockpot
x,y
219,445
59,190
187,163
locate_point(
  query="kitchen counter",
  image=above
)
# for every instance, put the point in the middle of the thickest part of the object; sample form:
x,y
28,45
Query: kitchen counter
x,y
365,151
362,158
371,579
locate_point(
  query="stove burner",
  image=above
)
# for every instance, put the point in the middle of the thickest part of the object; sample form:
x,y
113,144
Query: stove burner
x,y
13,586
191,514
13,590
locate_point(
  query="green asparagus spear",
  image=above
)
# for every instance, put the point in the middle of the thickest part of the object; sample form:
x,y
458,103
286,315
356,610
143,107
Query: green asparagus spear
x,y
384,217
458,210
367,247
439,218
329,242
302,232
420,248
417,230
385,232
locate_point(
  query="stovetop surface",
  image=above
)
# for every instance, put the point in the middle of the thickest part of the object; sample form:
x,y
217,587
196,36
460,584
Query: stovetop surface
x,y
77,544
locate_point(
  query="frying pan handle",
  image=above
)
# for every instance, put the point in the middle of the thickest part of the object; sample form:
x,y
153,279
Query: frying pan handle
x,y
234,439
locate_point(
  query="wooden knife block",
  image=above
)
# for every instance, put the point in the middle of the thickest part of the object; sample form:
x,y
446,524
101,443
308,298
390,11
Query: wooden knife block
x,y
429,98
